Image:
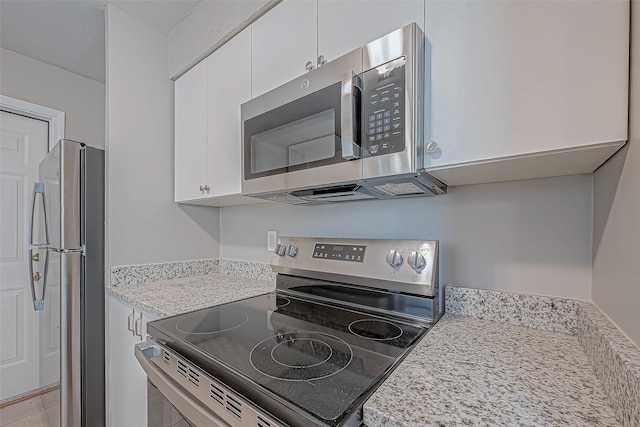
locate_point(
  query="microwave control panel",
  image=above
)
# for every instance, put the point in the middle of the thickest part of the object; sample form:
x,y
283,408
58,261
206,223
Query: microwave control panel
x,y
383,118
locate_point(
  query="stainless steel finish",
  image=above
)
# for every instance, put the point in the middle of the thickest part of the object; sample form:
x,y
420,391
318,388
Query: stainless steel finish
x,y
400,174
178,380
38,304
350,150
407,42
280,249
394,259
292,250
321,61
372,272
416,261
327,75
308,66
73,178
71,368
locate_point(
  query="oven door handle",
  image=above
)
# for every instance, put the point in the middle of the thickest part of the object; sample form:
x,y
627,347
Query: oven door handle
x,y
189,407
349,116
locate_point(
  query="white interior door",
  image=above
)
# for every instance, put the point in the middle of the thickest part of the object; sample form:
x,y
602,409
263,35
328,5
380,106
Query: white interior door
x,y
29,340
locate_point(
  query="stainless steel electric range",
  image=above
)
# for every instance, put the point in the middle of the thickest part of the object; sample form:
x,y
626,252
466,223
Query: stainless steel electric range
x,y
344,314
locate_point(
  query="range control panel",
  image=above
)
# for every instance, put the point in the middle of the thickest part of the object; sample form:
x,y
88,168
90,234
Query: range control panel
x,y
409,266
353,253
383,108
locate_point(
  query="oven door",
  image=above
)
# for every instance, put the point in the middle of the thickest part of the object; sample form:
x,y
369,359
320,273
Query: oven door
x,y
160,412
168,404
305,133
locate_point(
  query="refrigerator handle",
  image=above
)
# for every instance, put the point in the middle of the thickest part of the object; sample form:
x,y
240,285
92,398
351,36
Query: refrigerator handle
x,y
38,304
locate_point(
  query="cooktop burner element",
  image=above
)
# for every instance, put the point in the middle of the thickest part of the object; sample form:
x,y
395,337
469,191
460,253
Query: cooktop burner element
x,y
282,301
216,321
375,329
312,352
311,355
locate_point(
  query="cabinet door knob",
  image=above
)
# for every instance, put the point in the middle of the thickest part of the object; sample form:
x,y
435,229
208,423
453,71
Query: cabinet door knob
x,y
321,61
206,188
308,66
201,188
431,146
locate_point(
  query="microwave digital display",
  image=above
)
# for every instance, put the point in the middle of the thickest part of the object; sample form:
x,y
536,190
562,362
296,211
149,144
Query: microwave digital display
x,y
383,115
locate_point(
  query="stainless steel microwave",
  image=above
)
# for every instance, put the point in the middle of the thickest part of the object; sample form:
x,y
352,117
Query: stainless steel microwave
x,y
351,129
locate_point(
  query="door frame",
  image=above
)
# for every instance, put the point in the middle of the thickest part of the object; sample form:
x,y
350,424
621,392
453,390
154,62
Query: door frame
x,y
54,118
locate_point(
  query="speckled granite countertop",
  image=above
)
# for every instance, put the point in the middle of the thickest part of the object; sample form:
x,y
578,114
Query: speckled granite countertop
x,y
169,297
469,371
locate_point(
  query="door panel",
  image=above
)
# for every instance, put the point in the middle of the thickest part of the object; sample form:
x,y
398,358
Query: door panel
x,y
23,145
339,32
191,133
282,42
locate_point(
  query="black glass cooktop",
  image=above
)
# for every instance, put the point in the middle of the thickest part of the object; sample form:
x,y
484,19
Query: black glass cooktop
x,y
294,348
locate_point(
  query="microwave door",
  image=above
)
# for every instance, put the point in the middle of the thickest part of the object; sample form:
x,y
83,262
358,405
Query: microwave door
x,y
306,132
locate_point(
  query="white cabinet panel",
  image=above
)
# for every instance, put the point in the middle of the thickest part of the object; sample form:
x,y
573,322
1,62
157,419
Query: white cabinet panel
x,y
127,381
283,41
191,133
208,146
515,78
229,76
346,25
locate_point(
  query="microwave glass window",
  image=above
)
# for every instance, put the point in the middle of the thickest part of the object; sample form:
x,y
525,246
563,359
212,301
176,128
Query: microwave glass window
x,y
302,134
306,140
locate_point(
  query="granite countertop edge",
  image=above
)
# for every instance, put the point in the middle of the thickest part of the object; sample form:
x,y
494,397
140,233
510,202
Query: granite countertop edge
x,y
170,297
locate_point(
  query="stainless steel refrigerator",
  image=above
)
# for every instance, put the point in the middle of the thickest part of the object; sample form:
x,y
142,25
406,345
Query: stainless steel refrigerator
x,y
67,217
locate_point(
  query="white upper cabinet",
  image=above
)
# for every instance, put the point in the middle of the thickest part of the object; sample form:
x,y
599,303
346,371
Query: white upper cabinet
x,y
283,41
346,25
229,86
526,89
300,32
191,133
207,132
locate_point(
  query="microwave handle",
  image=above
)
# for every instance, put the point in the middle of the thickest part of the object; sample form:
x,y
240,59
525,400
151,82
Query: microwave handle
x,y
349,105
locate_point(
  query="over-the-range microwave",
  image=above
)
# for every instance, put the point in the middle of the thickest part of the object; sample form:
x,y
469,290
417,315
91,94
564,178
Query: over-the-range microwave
x,y
351,129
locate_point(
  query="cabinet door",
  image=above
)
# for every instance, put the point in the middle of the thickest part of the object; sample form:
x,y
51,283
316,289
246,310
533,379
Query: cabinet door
x,y
346,25
513,78
191,133
127,385
282,42
229,77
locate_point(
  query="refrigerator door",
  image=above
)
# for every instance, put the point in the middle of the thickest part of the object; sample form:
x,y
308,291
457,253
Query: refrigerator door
x,y
60,175
73,179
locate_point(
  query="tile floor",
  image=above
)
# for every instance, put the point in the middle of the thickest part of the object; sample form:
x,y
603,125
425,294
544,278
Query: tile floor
x,y
39,411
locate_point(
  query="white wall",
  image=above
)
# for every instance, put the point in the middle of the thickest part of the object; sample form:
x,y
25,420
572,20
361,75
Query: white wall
x,y
145,225
207,24
531,236
616,248
80,98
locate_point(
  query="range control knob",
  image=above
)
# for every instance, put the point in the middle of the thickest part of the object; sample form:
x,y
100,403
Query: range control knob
x,y
280,249
416,261
394,259
292,250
